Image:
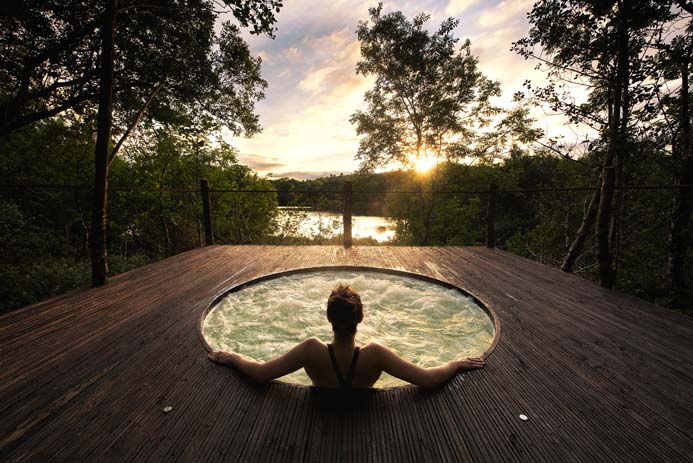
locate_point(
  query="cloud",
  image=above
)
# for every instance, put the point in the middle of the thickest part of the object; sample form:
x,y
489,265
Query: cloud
x,y
505,12
496,59
292,53
313,82
457,7
306,114
260,162
305,175
332,61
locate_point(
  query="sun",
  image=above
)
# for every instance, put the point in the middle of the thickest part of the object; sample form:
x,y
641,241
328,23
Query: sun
x,y
424,164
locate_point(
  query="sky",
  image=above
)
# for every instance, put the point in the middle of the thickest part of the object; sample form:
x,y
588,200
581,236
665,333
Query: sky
x,y
313,88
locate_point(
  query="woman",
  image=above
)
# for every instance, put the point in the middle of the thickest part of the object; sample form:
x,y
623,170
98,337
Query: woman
x,y
342,364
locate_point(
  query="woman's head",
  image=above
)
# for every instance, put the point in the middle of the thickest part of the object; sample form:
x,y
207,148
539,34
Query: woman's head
x,y
344,310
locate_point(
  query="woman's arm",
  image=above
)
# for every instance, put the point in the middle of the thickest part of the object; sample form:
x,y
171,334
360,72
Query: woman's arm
x,y
424,377
265,371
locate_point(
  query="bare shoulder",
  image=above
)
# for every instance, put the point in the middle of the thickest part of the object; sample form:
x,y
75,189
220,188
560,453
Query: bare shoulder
x,y
375,347
390,362
311,344
372,345
382,354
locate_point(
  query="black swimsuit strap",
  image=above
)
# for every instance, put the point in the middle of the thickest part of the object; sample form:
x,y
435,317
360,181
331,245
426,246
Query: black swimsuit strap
x,y
340,379
350,375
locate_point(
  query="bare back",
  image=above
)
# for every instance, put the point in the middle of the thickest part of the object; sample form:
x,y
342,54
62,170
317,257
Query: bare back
x,y
319,367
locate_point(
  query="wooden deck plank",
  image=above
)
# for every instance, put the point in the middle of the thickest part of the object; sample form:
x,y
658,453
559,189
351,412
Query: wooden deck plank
x,y
581,341
603,376
128,342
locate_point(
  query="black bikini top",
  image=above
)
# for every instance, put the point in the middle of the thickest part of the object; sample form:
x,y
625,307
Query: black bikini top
x,y
344,383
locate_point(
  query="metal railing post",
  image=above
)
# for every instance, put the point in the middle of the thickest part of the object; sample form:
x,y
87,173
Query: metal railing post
x,y
207,211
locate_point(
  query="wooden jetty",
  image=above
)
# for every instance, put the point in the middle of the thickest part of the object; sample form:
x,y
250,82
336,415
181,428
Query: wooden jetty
x,y
601,376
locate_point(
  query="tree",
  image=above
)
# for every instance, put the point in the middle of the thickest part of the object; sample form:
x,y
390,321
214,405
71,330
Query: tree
x,y
679,235
44,234
598,45
171,156
159,56
225,85
428,95
50,59
428,92
672,63
513,134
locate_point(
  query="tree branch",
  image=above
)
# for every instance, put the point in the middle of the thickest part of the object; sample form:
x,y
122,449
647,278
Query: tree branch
x,y
565,68
13,107
37,116
135,121
46,91
560,153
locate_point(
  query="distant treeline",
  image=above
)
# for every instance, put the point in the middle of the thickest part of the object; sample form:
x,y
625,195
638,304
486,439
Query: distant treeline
x,y
325,193
45,232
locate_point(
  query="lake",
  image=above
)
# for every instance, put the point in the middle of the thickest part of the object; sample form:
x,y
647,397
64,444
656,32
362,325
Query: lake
x,y
314,223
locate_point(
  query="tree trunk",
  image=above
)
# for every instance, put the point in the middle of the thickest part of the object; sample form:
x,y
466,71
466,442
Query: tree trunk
x,y
431,206
427,220
615,231
425,214
166,235
583,231
617,139
601,203
99,267
84,249
606,271
681,213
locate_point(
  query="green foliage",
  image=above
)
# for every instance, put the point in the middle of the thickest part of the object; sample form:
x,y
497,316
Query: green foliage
x,y
30,281
38,262
44,232
161,222
50,61
429,99
428,94
577,43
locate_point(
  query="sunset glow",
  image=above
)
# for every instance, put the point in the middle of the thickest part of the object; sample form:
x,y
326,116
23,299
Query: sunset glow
x,y
424,164
313,87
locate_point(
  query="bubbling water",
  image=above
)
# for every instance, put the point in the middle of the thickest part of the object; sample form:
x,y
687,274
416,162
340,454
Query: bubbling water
x,y
423,322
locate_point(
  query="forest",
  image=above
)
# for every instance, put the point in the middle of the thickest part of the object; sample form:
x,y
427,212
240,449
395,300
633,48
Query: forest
x,y
104,141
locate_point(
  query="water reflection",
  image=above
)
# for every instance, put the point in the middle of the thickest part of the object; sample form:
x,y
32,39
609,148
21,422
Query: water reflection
x,y
328,224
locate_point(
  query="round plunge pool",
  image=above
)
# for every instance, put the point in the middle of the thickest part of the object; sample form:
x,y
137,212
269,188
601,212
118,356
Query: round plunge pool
x,y
425,321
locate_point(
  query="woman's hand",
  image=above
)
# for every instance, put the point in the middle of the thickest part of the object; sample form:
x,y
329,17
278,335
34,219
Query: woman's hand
x,y
471,363
265,371
220,357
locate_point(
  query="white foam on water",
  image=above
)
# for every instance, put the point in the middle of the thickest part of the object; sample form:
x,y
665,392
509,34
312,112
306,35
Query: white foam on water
x,y
423,322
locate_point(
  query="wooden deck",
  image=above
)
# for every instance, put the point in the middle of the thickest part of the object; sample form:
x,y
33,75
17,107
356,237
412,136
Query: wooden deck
x,y
602,376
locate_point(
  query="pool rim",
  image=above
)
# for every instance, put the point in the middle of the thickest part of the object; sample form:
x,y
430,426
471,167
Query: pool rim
x,y
490,312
